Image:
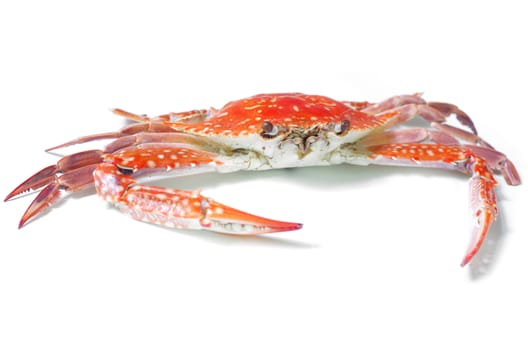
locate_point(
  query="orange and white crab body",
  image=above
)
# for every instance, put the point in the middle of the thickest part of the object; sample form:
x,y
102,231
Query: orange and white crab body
x,y
269,131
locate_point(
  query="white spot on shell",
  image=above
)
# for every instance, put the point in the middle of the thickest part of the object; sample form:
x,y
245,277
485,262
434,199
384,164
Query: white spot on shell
x,y
151,164
219,211
252,107
128,160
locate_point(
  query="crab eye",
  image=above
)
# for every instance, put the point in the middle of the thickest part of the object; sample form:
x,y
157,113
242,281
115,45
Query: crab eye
x,y
124,170
342,127
269,130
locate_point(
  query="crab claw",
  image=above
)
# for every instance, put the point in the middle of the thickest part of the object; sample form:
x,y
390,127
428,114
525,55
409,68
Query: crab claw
x,y
49,195
484,221
178,208
69,165
221,218
191,210
41,178
484,207
55,184
71,173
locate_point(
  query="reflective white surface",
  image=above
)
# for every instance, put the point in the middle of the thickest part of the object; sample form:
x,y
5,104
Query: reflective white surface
x,y
377,262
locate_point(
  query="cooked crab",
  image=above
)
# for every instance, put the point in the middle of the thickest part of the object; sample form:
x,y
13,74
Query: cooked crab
x,y
269,131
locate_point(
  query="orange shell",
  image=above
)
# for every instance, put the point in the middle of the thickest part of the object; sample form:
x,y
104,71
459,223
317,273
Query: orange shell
x,y
292,110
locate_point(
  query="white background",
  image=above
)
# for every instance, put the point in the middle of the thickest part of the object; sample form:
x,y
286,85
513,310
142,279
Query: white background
x,y
377,262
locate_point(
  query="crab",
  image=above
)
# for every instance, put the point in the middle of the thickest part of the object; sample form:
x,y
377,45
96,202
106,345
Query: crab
x,y
269,131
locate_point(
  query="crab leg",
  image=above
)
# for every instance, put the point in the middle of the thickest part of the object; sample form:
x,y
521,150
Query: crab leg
x,y
130,130
145,124
445,135
411,135
460,158
412,105
188,117
171,207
